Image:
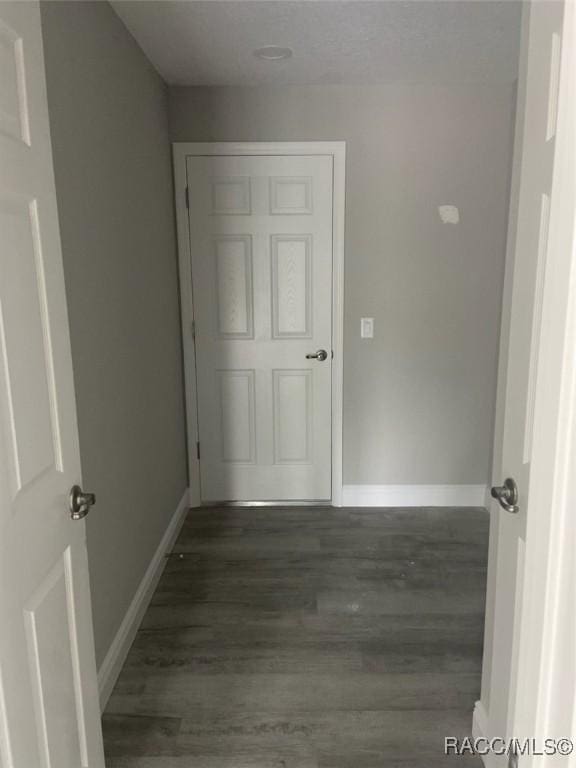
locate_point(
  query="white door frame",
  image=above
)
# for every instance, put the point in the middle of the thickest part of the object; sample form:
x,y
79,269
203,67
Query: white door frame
x,y
335,149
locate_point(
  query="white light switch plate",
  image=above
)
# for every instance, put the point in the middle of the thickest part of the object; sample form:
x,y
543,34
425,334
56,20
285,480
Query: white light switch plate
x,y
449,214
367,327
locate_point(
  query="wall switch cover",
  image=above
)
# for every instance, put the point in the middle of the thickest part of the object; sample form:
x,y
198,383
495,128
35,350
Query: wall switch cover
x,y
449,214
367,327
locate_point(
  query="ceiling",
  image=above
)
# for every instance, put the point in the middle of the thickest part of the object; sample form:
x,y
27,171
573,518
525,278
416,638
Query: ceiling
x,y
200,42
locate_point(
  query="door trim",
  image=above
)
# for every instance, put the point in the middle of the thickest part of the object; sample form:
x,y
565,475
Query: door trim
x,y
335,149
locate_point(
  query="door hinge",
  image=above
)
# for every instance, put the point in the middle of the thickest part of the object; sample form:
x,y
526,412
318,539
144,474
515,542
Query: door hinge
x,y
198,450
193,329
187,195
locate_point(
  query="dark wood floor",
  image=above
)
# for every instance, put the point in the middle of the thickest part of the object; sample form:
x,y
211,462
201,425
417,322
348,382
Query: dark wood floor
x,y
307,638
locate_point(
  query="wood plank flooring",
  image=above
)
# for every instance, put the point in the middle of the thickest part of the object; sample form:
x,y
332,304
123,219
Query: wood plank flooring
x,y
307,638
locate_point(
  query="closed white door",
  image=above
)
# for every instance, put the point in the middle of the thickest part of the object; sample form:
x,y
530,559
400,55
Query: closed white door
x,y
261,244
535,144
49,713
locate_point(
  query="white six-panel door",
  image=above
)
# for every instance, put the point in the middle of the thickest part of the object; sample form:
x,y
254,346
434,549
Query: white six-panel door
x,y
261,246
49,714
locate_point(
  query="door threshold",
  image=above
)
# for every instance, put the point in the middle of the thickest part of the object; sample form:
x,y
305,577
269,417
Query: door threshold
x,y
293,503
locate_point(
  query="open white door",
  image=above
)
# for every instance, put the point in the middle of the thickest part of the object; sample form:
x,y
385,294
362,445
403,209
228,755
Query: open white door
x,y
49,714
521,360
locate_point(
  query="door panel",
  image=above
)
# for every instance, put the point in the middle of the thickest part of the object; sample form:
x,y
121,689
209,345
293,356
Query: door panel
x,y
261,242
291,286
49,713
13,98
237,406
29,395
292,416
49,612
234,297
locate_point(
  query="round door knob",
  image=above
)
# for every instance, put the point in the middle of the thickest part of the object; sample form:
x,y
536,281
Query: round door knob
x,y
507,495
80,502
321,355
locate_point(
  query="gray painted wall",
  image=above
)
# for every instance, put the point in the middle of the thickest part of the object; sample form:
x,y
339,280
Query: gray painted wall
x,y
419,399
108,113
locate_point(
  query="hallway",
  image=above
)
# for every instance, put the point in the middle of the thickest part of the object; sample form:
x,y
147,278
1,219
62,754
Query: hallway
x,y
307,638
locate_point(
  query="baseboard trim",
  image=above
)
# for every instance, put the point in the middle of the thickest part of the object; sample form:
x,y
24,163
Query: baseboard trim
x,y
116,656
414,495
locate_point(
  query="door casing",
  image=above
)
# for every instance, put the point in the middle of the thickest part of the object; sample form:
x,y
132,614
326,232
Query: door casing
x,y
335,149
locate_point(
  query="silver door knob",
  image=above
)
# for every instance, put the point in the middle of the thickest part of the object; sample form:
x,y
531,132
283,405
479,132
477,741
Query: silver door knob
x,y
320,355
507,495
80,502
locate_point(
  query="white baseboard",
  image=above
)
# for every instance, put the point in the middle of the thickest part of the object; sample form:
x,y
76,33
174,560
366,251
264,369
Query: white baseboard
x,y
116,656
414,495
